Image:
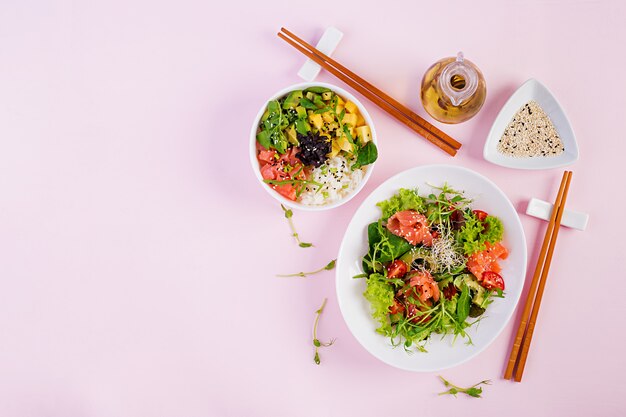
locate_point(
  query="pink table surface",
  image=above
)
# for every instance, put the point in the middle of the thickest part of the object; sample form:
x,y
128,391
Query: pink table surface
x,y
138,251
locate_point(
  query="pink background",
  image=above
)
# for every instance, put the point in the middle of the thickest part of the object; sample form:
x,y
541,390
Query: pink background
x,y
138,251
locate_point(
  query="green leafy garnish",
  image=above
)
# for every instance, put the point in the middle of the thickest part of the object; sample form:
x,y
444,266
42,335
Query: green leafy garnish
x,y
475,233
328,267
403,200
288,216
380,295
365,156
273,122
316,341
473,391
463,304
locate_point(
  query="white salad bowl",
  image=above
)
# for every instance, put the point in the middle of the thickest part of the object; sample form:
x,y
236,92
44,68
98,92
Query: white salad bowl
x,y
532,90
441,352
253,152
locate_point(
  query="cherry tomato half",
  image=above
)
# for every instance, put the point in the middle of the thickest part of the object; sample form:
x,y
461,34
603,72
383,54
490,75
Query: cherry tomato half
x,y
397,269
482,215
492,280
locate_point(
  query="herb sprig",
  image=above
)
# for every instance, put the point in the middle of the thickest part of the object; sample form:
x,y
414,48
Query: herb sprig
x,y
328,267
473,391
316,341
288,216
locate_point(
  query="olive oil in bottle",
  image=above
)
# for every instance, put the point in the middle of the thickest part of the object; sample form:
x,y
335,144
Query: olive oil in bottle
x,y
453,90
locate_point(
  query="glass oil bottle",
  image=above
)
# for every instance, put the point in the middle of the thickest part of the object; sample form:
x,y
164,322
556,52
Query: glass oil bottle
x,y
453,90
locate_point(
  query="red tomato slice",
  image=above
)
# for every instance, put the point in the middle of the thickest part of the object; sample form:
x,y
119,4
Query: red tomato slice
x,y
397,269
482,215
492,280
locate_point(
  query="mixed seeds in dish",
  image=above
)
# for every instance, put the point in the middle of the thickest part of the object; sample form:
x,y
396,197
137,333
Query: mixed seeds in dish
x,y
313,146
531,134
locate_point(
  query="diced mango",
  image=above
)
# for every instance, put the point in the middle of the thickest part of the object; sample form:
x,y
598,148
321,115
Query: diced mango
x,y
316,120
351,107
350,119
343,143
364,134
335,149
340,101
328,117
360,121
339,109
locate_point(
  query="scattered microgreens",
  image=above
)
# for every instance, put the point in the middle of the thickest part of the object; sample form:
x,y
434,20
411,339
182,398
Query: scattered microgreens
x,y
473,391
316,341
328,267
288,216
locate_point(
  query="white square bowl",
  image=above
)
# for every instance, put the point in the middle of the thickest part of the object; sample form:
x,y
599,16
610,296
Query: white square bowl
x,y
532,90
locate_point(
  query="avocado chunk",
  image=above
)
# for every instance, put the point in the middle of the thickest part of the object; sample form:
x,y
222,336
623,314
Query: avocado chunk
x,y
302,126
293,99
417,257
473,284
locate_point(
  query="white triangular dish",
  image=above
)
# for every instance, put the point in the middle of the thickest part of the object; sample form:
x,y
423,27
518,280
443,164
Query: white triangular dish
x,y
532,90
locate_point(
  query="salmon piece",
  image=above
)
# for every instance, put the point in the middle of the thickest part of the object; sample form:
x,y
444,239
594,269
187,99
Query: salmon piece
x,y
497,250
487,260
425,285
283,167
412,226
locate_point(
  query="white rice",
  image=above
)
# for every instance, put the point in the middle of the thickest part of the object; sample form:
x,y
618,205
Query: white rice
x,y
338,179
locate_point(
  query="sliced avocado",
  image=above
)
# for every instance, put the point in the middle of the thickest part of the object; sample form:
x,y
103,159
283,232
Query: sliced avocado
x,y
301,111
293,99
291,135
318,90
317,100
266,114
473,284
302,126
420,256
327,95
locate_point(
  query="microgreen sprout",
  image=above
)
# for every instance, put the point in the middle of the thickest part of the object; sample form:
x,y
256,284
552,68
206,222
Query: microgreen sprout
x,y
288,216
316,341
473,391
328,267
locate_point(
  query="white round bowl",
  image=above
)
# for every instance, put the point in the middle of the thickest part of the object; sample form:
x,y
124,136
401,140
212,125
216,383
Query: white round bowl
x,y
442,352
255,163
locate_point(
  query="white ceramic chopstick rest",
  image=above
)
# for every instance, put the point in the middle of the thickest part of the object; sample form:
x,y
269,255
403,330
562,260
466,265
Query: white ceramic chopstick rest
x,y
542,209
327,44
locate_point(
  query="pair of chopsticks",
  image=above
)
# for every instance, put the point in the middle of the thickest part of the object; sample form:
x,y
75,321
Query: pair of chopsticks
x,y
382,100
517,358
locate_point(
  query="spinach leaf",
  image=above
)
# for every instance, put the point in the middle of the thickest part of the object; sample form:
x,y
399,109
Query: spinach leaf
x,y
384,246
365,156
463,305
264,138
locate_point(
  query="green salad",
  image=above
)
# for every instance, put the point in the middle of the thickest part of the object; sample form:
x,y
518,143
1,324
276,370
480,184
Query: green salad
x,y
431,266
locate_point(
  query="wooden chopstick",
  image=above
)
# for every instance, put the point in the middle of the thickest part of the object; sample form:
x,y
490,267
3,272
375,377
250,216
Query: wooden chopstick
x,y
400,112
403,109
526,328
542,283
